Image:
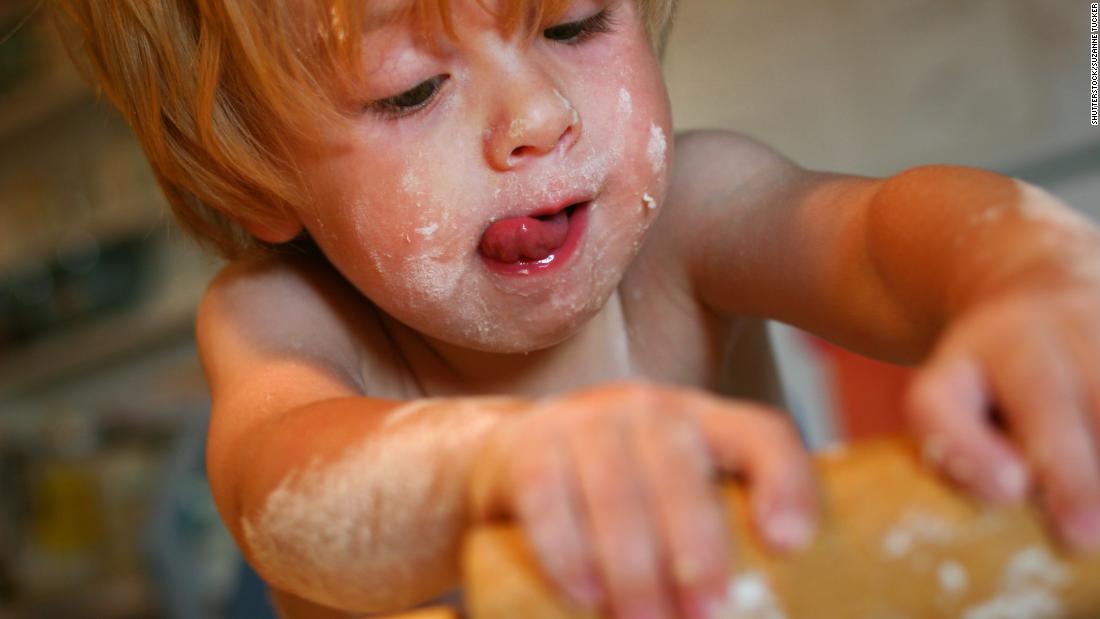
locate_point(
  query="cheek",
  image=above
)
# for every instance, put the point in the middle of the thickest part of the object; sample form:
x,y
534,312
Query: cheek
x,y
633,115
409,239
639,140
654,126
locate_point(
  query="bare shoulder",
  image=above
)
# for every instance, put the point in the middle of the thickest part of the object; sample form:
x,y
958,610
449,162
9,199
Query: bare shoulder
x,y
264,311
713,172
714,167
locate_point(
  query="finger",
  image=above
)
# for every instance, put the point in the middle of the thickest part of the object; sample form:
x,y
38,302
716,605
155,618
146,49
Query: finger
x,y
1044,408
676,470
1083,340
948,409
548,510
764,445
622,533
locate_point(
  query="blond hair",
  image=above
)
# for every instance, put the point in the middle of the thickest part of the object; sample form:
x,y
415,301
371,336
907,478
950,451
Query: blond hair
x,y
216,90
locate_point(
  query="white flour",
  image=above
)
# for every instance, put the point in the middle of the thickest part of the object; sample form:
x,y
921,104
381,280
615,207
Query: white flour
x,y
913,530
658,146
1029,589
328,531
750,596
626,106
428,230
953,578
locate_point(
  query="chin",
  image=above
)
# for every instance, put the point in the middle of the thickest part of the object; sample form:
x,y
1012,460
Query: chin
x,y
507,335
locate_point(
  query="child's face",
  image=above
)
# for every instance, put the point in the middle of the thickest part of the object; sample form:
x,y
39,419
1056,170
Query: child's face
x,y
494,126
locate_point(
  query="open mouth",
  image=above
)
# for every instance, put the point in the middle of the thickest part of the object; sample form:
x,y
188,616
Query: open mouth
x,y
517,244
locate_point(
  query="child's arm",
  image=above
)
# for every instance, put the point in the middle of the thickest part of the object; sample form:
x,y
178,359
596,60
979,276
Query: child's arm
x,y
359,503
331,497
991,281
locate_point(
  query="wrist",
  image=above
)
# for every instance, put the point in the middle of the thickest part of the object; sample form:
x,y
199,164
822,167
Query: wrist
x,y
488,464
1044,245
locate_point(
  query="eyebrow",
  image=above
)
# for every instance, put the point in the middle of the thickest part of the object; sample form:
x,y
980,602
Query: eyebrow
x,y
391,11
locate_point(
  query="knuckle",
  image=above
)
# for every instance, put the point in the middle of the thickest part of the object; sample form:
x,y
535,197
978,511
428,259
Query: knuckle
x,y
633,578
1037,387
639,395
533,472
1015,311
1059,478
780,427
683,436
571,567
922,394
1082,302
630,387
532,502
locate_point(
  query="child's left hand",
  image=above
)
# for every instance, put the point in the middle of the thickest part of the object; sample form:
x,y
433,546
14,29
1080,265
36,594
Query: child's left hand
x,y
1023,354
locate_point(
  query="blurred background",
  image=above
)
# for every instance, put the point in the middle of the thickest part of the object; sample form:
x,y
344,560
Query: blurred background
x,y
104,509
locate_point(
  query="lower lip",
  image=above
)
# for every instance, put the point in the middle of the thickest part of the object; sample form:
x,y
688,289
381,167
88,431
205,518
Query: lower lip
x,y
578,221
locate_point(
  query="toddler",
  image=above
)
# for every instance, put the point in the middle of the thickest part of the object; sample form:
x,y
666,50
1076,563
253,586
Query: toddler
x,y
468,279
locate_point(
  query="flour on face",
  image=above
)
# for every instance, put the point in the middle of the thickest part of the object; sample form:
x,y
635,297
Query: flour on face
x,y
626,104
658,146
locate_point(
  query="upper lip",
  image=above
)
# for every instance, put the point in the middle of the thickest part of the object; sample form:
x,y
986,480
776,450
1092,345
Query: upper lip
x,y
554,206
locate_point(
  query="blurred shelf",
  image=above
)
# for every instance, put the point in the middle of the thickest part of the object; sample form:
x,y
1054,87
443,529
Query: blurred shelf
x,y
164,316
51,85
38,240
40,98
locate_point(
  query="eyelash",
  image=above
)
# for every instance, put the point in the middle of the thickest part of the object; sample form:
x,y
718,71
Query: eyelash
x,y
580,31
399,106
420,96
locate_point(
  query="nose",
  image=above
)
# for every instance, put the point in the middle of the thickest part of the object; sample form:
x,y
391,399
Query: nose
x,y
533,118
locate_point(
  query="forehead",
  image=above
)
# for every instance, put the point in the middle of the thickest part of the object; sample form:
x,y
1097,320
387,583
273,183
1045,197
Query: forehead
x,y
379,13
508,14
326,37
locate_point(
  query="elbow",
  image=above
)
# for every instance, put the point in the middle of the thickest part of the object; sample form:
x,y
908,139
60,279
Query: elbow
x,y
322,539
334,564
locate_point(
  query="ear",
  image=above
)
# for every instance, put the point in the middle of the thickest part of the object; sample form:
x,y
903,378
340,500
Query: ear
x,y
276,229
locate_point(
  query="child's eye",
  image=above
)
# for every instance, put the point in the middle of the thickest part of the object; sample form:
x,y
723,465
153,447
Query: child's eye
x,y
577,32
409,101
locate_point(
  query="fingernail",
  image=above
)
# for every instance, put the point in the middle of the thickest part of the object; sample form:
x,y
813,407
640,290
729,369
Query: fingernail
x,y
787,530
1082,528
687,571
1011,481
585,593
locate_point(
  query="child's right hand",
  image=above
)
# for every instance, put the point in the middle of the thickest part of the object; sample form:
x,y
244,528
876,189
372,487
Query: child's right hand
x,y
614,489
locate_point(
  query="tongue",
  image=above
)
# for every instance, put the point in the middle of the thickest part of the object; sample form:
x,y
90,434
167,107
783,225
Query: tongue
x,y
524,238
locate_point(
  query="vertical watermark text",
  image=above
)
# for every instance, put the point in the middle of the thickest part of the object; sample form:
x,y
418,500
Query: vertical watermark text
x,y
1094,63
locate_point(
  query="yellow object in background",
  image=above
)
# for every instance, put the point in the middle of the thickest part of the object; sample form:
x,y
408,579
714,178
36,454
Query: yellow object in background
x,y
64,514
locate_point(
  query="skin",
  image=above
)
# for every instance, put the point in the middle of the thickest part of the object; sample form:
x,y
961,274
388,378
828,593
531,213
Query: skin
x,y
607,447
502,137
